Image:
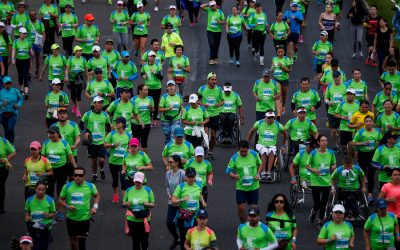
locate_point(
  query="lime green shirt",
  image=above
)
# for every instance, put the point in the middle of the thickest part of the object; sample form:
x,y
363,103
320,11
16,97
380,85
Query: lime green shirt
x,y
381,238
211,97
279,74
336,94
307,100
142,108
118,108
280,30
235,24
56,66
4,51
344,232
104,87
183,61
300,160
203,169
193,192
112,56
6,148
386,156
372,137
125,70
300,130
96,123
246,167
69,132
190,114
53,101
360,88
117,153
231,102
393,79
144,19
119,18
174,20
160,56
132,161
213,17
5,10
22,48
184,150
247,12
268,133
56,152
259,22
38,27
173,101
76,66
65,2
323,48
258,237
346,109
281,233
91,34
20,20
37,208
137,197
45,11
151,80
100,62
380,98
266,91
349,181
69,21
322,162
383,120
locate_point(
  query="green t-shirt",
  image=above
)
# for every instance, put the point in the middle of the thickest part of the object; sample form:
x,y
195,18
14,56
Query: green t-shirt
x,y
118,108
235,24
203,169
190,114
79,197
6,10
22,48
383,120
132,161
259,22
349,181
381,238
91,34
174,101
112,56
69,20
104,87
380,98
213,16
327,76
300,130
4,51
100,62
279,74
281,233
307,100
323,48
117,153
20,20
372,137
53,100
360,87
183,61
393,79
346,109
56,66
247,12
125,70
255,237
300,160
322,162
335,93
246,167
141,107
152,81
184,150
268,133
386,156
266,92
96,123
174,20
137,197
279,30
160,56
343,232
69,132
120,18
45,11
144,18
56,152
211,97
38,207
65,2
192,191
231,102
6,148
38,27
76,66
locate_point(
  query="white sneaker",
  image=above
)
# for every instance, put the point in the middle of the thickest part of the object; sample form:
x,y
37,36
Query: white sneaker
x,y
156,9
256,56
231,61
83,1
261,61
353,56
361,54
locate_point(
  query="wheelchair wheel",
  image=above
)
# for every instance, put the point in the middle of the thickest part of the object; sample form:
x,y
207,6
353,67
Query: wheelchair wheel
x,y
329,207
293,195
364,207
237,133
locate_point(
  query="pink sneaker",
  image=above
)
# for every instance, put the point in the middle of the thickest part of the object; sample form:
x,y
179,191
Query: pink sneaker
x,y
192,25
78,114
115,198
74,109
301,39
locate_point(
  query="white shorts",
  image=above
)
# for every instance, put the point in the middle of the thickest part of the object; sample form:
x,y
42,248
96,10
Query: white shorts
x,y
266,150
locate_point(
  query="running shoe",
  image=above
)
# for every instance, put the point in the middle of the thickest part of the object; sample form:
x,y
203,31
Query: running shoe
x,y
367,62
353,56
263,175
231,61
237,64
60,216
211,62
211,156
374,65
312,216
215,61
155,9
269,176
102,174
327,123
73,109
301,39
94,178
115,198
78,114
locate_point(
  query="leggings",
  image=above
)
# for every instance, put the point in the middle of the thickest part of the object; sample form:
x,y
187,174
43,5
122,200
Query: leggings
x,y
3,179
249,36
331,35
320,197
279,4
182,231
5,62
115,174
357,33
141,134
364,160
8,123
50,39
155,94
67,44
258,41
23,71
140,238
60,175
234,45
214,40
171,214
193,12
121,39
76,91
381,54
41,239
281,43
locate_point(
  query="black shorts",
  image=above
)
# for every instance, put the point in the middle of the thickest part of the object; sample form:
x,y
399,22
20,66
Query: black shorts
x,y
78,228
340,3
333,121
294,38
345,137
249,197
283,83
370,40
213,123
318,68
96,151
139,36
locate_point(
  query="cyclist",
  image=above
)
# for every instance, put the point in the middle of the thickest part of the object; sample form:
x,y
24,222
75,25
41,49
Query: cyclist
x,y
359,85
201,236
120,19
125,72
98,87
244,167
141,23
254,234
281,67
266,91
228,115
87,36
299,162
178,147
267,130
179,67
308,98
386,94
122,107
55,99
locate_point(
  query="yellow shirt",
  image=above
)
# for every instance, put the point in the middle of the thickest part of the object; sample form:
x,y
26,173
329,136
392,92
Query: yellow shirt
x,y
170,38
359,117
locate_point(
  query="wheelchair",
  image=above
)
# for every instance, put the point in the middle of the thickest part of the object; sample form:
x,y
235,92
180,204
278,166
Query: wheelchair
x,y
298,192
360,211
275,171
293,148
234,138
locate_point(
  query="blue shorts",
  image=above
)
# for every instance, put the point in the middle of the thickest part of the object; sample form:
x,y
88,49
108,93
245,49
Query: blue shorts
x,y
249,197
36,48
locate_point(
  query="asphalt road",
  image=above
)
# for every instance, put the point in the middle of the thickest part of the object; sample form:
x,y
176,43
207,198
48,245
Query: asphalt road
x,y
107,230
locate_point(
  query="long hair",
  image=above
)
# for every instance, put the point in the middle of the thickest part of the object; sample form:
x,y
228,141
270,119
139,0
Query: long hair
x,y
177,159
286,205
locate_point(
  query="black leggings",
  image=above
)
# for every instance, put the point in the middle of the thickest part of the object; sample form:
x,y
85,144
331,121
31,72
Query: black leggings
x,y
234,45
280,43
258,41
67,44
279,4
331,35
116,174
140,238
320,197
193,12
141,134
5,62
76,91
23,66
364,161
182,231
171,214
50,39
214,40
155,94
3,179
60,176
249,36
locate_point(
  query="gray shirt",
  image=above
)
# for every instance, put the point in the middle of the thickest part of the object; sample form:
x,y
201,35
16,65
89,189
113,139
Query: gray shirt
x,y
173,180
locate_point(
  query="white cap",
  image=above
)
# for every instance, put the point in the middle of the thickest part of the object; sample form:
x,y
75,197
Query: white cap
x,y
270,114
55,81
98,99
151,53
227,88
172,7
139,4
139,177
351,90
2,24
22,30
170,82
120,2
338,207
324,33
193,98
301,110
211,3
199,151
96,48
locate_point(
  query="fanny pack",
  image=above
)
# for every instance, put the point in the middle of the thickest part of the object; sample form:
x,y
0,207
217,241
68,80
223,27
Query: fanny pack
x,y
185,214
170,117
141,214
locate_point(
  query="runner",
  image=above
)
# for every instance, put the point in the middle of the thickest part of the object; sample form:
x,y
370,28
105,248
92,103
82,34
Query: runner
x,y
299,165
234,25
125,72
87,35
64,3
320,49
228,116
36,35
141,23
155,47
388,120
98,87
280,32
94,126
99,61
54,100
371,23
383,41
295,19
48,12
386,94
391,75
56,64
308,98
359,85
169,40
193,10
179,67
358,117
75,197
67,23
120,19
173,19
281,67
259,24
20,19
266,91
178,147
246,13
122,107
201,236
244,167
7,10
356,15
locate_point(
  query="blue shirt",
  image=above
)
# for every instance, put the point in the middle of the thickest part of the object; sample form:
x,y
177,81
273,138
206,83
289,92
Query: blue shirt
x,y
11,96
294,25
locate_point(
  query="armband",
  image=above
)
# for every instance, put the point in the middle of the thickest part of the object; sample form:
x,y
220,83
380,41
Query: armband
x,y
398,235
293,178
96,206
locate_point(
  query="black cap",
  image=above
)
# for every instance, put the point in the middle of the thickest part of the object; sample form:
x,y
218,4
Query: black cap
x,y
169,26
336,73
98,71
311,142
53,129
120,120
253,211
125,89
202,213
190,172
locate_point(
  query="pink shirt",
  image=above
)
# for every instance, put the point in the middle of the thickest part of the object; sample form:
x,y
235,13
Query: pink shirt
x,y
392,191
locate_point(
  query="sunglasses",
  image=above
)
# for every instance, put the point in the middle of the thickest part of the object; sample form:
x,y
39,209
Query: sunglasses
x,y
170,162
79,175
279,201
52,133
57,84
337,212
34,149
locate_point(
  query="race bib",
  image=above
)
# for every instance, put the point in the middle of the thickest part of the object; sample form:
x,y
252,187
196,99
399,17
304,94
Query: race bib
x,y
143,107
268,136
247,180
53,158
302,147
97,136
67,27
140,27
304,102
89,41
337,97
385,237
56,70
233,30
342,243
178,72
2,49
359,92
228,105
260,21
77,198
281,235
213,23
119,152
191,204
199,179
178,153
210,101
46,16
22,52
323,170
280,34
33,178
37,216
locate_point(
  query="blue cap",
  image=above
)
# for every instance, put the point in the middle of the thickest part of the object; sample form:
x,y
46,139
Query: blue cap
x,y
202,214
120,119
125,53
381,203
7,79
336,73
179,132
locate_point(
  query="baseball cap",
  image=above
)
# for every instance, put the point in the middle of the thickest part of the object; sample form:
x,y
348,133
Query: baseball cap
x,y
338,208
35,145
55,81
125,89
169,26
120,2
139,4
294,4
211,3
98,99
62,109
134,142
125,53
22,3
336,73
190,172
253,211
381,203
199,151
193,98
172,7
311,142
301,110
53,129
96,48
2,24
202,214
98,70
324,33
89,17
351,90
170,82
77,47
179,132
266,72
22,30
139,177
151,53
7,79
211,74
25,239
270,114
227,88
55,46
109,40
120,120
